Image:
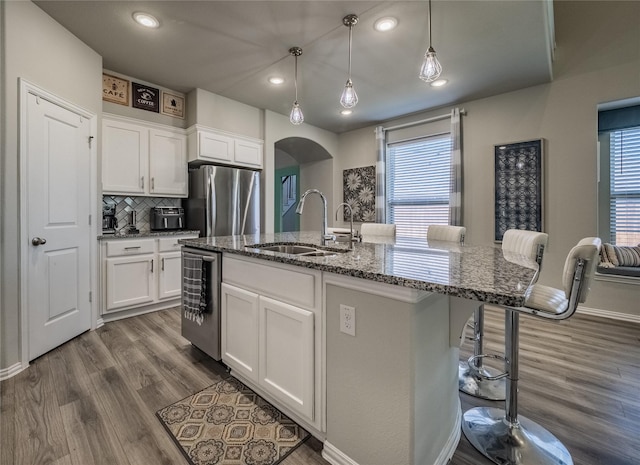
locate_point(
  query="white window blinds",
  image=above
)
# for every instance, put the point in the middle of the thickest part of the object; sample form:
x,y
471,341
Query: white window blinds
x,y
624,196
418,184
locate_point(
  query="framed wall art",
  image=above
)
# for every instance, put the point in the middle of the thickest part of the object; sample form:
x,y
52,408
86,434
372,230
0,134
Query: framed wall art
x,y
519,186
172,105
115,89
360,193
145,97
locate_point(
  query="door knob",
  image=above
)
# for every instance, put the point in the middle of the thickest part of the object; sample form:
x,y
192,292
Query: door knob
x,y
38,241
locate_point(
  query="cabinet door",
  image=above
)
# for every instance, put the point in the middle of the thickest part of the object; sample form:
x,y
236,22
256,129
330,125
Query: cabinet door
x,y
248,153
125,149
240,330
130,281
167,163
215,147
286,345
169,284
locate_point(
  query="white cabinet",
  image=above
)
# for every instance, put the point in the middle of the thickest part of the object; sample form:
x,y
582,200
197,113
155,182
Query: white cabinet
x,y
272,332
215,146
239,335
130,281
286,353
142,159
140,274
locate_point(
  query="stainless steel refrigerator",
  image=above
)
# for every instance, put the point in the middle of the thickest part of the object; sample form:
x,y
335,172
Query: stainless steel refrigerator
x,y
223,201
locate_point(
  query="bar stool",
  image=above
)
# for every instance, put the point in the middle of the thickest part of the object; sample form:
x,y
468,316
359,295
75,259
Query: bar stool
x,y
501,435
440,232
479,380
377,229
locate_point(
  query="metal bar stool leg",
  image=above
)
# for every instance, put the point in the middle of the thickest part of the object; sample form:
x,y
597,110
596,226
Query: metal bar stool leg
x,y
475,382
503,436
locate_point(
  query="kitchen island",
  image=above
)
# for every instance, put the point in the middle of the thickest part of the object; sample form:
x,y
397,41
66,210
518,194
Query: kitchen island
x,y
387,394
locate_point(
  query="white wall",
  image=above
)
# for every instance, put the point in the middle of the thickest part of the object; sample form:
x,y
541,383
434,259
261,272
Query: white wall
x,y
597,60
215,111
278,127
38,49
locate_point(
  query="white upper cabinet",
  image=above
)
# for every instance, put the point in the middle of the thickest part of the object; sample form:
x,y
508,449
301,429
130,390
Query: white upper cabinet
x,y
215,146
143,159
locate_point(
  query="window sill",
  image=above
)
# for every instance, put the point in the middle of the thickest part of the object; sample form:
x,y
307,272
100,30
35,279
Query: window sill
x,y
617,278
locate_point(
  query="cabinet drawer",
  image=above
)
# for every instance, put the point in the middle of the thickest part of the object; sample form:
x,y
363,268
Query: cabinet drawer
x,y
294,285
170,244
130,247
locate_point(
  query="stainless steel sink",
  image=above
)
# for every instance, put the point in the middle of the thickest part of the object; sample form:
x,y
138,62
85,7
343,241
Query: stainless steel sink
x,y
296,249
290,249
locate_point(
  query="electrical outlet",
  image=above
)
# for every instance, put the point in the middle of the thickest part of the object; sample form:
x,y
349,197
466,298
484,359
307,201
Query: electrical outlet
x,y
348,320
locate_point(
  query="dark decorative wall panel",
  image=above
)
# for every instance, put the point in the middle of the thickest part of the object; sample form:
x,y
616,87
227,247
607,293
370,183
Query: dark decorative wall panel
x,y
360,193
518,187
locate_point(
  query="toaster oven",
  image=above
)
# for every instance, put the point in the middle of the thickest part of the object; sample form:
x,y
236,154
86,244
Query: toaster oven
x,y
167,218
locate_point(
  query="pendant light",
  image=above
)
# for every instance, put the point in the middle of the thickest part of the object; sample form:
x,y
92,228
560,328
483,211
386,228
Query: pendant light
x,y
431,67
349,98
296,117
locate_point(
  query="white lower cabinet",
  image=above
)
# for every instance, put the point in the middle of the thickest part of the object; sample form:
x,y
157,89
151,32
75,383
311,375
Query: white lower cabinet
x,y
240,330
272,332
169,275
130,281
285,352
140,274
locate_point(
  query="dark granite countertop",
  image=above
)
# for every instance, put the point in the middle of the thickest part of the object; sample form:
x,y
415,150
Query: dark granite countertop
x,y
147,234
473,272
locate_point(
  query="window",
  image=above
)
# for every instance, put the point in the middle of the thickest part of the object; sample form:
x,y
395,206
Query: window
x,y
418,184
619,190
624,187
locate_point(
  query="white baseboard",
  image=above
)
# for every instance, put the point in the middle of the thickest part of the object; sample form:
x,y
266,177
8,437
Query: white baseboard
x,y
608,314
335,456
13,370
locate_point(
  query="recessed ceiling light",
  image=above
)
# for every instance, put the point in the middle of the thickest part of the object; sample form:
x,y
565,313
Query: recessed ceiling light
x,y
346,112
146,20
276,80
385,24
439,83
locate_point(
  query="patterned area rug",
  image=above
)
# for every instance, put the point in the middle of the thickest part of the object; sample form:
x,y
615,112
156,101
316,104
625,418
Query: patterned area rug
x,y
229,424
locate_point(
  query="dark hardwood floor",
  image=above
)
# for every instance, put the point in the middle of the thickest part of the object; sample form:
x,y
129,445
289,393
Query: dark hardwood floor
x,y
92,400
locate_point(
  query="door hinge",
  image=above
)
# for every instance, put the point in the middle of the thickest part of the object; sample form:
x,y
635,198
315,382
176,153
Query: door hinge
x,y
89,220
90,139
90,297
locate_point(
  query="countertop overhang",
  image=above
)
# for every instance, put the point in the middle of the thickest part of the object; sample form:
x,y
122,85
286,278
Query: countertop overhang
x,y
480,273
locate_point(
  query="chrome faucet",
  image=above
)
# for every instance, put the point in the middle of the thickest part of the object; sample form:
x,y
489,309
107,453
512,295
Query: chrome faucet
x,y
324,235
344,204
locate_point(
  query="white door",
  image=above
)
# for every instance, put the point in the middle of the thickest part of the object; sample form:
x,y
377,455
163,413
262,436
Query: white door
x,y
167,163
286,354
239,331
130,281
170,278
58,231
125,157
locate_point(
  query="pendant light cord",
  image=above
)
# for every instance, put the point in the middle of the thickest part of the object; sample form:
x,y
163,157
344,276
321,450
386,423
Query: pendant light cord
x,y
350,31
429,23
295,78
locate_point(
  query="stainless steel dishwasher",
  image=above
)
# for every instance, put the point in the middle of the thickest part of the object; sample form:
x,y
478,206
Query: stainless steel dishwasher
x,y
205,336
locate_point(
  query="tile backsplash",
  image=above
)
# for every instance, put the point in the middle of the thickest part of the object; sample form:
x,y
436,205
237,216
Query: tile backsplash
x,y
142,206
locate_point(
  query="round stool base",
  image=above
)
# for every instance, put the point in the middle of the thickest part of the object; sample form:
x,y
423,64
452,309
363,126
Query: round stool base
x,y
472,384
526,443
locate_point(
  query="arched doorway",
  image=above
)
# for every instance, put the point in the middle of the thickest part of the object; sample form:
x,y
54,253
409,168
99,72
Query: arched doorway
x,y
299,164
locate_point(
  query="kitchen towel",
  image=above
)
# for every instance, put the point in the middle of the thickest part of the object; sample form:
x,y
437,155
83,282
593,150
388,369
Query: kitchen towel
x,y
194,288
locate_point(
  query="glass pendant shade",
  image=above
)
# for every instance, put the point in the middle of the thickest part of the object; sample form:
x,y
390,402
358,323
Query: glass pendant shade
x,y
296,117
431,67
349,98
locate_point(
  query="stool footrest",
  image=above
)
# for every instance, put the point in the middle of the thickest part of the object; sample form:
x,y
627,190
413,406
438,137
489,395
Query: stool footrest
x,y
473,367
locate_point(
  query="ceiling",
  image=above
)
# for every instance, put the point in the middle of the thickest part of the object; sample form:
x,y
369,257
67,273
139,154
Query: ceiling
x,y
230,48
